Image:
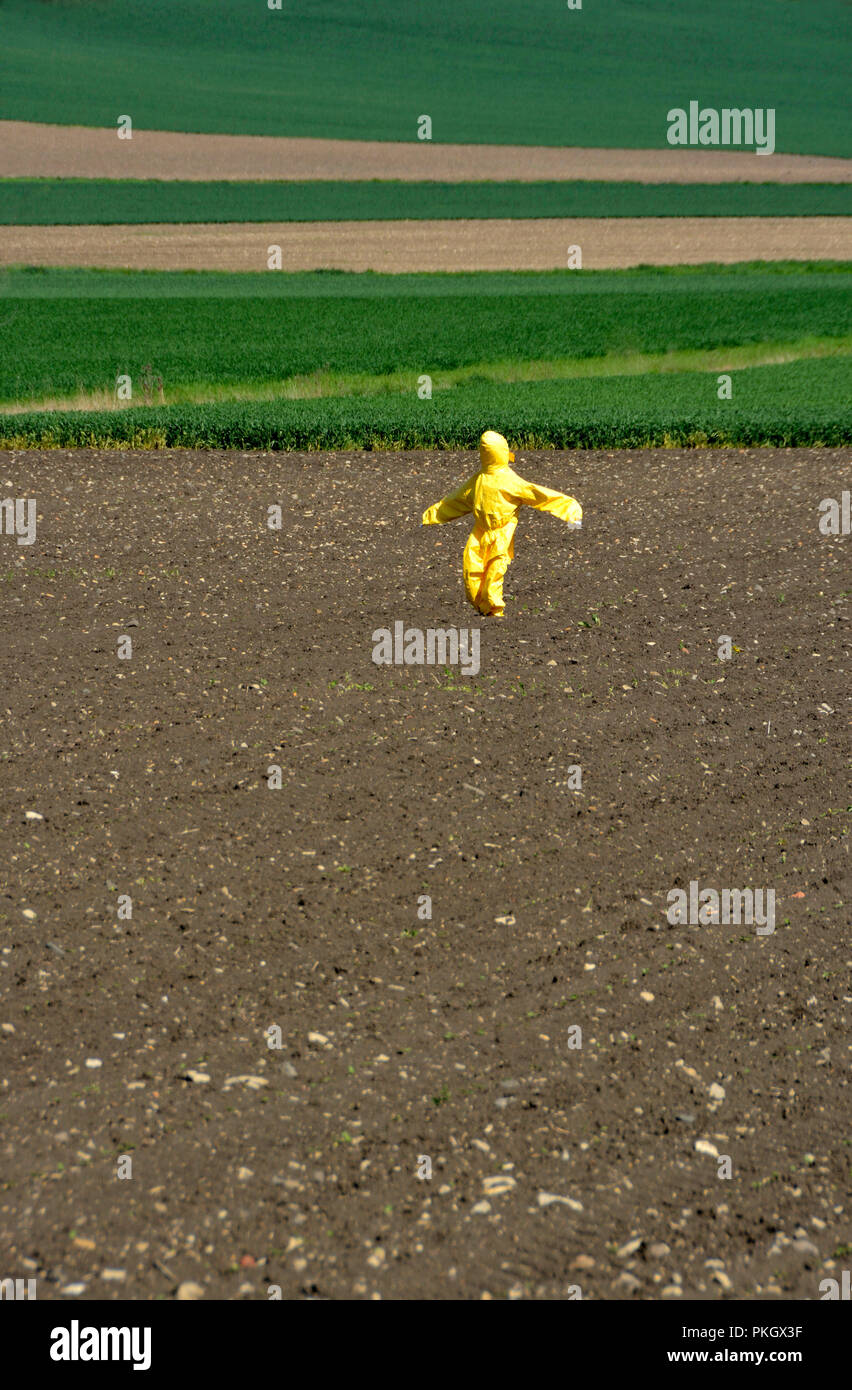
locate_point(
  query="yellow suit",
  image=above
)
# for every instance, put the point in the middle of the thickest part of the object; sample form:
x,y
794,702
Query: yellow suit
x,y
494,495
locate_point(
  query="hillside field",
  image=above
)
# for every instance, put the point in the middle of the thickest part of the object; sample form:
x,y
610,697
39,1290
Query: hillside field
x,y
603,76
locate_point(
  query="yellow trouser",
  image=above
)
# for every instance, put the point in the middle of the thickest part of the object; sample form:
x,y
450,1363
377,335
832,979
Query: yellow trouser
x,y
487,556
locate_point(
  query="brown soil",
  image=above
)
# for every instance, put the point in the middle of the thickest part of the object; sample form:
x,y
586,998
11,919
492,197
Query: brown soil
x,y
298,907
29,150
498,244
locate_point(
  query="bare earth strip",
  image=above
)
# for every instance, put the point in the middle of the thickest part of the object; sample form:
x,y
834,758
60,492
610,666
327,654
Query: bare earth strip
x,y
31,150
379,783
498,244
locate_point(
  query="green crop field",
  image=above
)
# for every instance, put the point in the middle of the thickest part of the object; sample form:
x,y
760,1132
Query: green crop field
x,y
540,73
803,403
48,202
326,360
57,346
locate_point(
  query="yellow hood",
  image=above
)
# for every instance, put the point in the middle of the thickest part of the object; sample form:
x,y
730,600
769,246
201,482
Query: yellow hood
x,y
494,452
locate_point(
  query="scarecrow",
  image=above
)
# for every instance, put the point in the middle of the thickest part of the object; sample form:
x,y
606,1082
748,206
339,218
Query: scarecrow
x,y
494,495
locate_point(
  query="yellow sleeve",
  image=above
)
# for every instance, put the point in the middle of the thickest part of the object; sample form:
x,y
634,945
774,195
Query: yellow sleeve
x,y
458,503
544,499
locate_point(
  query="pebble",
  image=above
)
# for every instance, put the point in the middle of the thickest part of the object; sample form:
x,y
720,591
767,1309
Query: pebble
x,y
496,1186
34,815
628,1282
254,1083
481,1209
806,1247
671,1291
547,1199
703,1146
716,1092
318,1040
189,1292
29,914
647,996
244,1174
630,1248
93,1063
115,1276
582,1262
721,1278
199,1077
73,1290
289,1070
659,1250
377,1258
